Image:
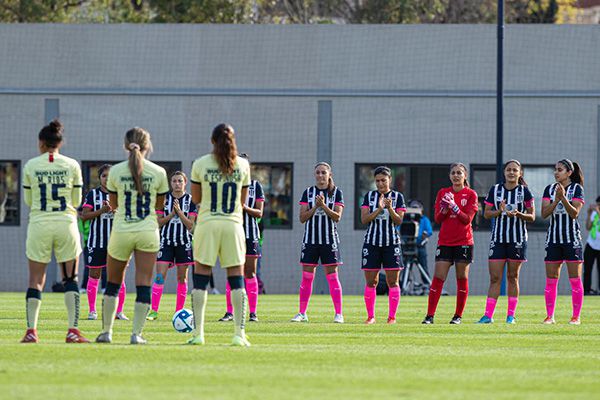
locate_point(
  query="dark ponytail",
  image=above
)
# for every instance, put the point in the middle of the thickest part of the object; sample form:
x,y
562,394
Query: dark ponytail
x,y
137,143
52,134
224,148
577,175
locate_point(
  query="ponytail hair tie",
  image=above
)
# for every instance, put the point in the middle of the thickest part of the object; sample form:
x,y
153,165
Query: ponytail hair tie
x,y
134,146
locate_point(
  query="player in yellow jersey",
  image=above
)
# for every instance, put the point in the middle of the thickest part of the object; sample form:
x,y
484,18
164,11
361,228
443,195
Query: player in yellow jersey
x,y
220,183
52,186
137,187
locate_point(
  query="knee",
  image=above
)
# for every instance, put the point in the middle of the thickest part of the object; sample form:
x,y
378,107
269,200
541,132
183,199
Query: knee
x,y
512,277
495,279
159,279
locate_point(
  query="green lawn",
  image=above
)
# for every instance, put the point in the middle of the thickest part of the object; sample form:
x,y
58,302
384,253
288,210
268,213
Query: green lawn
x,y
314,360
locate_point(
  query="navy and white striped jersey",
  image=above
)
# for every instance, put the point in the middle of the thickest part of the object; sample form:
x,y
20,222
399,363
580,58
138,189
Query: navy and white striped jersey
x,y
564,229
100,226
320,228
505,229
382,230
255,195
174,232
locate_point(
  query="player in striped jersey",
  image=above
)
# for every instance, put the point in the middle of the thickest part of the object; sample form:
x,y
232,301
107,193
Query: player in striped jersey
x,y
176,222
562,201
96,208
510,205
52,190
253,211
321,208
383,210
455,207
137,187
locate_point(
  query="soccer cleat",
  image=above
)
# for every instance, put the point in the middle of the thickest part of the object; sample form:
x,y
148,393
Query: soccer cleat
x,y
196,340
338,319
549,321
428,320
511,319
122,316
226,318
30,336
74,336
370,321
391,320
299,318
252,317
575,321
137,339
456,320
92,315
240,341
104,337
152,315
485,320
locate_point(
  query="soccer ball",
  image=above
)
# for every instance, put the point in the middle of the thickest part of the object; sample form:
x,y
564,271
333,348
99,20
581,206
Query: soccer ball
x,y
183,320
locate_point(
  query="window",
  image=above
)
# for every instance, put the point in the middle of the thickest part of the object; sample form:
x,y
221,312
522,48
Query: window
x,y
90,171
10,201
416,182
537,177
276,180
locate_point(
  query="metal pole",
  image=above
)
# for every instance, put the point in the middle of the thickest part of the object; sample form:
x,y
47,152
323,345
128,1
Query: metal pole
x,y
500,109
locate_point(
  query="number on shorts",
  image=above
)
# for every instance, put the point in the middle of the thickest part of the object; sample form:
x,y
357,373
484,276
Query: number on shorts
x,y
228,197
44,196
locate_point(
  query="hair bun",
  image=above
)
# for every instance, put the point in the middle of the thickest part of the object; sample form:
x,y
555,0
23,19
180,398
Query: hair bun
x,y
56,125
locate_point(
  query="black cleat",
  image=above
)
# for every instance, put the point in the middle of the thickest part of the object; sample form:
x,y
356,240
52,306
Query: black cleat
x,y
226,318
456,320
252,317
428,320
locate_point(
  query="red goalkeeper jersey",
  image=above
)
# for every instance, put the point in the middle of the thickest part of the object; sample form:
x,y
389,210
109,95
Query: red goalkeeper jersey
x,y
456,229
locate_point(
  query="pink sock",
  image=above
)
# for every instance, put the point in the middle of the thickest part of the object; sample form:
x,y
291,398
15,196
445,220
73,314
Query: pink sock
x,y
306,288
550,295
228,298
370,297
393,301
182,289
92,291
490,307
252,292
157,290
512,306
335,289
576,296
122,294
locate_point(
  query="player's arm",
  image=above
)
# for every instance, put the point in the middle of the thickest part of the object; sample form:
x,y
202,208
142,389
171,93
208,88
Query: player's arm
x,y
366,217
113,198
397,214
306,213
335,214
160,202
256,212
441,212
548,205
244,195
162,218
187,221
88,213
529,214
197,193
466,216
573,208
77,191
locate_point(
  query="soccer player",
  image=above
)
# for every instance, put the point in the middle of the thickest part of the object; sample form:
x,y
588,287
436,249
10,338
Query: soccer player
x,y
253,211
562,201
176,222
52,187
383,210
455,207
137,187
96,208
510,205
220,183
321,208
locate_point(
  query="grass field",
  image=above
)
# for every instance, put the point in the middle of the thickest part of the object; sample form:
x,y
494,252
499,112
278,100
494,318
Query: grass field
x,y
315,360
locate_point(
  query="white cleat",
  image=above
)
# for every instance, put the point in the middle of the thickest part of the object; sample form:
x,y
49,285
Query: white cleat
x,y
92,316
104,337
338,319
122,316
239,341
299,318
549,321
137,339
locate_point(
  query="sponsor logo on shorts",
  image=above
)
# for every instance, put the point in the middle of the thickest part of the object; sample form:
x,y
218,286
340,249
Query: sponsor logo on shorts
x,y
365,252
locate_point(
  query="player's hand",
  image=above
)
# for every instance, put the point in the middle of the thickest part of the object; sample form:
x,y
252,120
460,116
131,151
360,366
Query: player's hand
x,y
387,202
320,201
512,213
106,207
560,192
381,204
176,207
502,207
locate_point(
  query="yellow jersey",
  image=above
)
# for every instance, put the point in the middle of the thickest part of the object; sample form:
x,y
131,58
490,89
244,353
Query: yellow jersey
x,y
52,184
221,194
136,212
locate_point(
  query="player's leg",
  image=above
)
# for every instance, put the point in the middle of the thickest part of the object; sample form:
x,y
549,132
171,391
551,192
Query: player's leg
x,y
392,276
462,290
182,285
164,261
201,279
122,295
251,284
553,260
370,295
496,270
512,288
94,275
309,260
33,299
144,266
229,307
443,262
574,269
331,260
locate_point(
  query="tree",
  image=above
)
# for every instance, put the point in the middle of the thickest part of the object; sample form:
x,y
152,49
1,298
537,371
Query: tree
x,y
201,11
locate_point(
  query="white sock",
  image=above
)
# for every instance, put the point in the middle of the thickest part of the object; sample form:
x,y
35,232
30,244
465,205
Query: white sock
x,y
240,302
109,310
199,298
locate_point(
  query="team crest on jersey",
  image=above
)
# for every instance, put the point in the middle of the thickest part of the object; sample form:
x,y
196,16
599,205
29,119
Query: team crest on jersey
x,y
251,191
463,202
520,198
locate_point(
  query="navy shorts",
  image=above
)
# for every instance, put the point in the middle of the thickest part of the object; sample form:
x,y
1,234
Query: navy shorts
x,y
558,253
508,251
175,255
95,257
325,254
386,257
252,249
454,254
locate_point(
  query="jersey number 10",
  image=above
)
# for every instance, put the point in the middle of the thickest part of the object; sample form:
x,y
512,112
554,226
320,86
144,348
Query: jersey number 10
x,y
228,199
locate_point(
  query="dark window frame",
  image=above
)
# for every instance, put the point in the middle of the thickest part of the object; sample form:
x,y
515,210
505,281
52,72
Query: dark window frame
x,y
19,183
291,212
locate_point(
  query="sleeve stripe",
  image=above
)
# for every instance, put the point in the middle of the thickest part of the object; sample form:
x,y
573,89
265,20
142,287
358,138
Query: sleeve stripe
x,y
110,191
245,186
26,187
77,186
197,183
162,194
87,206
487,203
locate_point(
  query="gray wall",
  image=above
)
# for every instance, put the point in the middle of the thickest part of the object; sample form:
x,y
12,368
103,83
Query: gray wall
x,y
409,94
